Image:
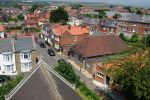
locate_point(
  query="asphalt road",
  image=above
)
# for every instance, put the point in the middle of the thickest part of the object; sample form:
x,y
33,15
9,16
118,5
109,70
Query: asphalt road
x,y
50,60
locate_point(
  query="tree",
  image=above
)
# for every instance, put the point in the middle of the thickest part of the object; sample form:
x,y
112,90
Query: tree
x,y
116,16
148,41
20,17
59,16
139,12
128,8
135,38
121,35
133,77
102,14
33,8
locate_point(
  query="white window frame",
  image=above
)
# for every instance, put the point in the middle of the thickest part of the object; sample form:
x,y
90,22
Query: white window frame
x,y
10,69
100,74
26,56
8,57
26,66
56,46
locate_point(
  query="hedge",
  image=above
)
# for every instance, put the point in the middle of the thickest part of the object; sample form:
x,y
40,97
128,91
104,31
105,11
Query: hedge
x,y
66,70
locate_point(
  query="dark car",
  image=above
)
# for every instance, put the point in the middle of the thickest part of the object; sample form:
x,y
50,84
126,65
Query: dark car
x,y
42,45
51,52
61,60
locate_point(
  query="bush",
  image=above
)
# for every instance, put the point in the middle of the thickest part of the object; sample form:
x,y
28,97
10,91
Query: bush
x,y
9,85
66,70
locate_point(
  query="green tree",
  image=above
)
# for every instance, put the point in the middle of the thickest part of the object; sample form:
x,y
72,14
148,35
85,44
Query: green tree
x,y
59,16
102,14
116,16
121,35
20,17
128,8
134,78
139,12
146,40
135,38
33,8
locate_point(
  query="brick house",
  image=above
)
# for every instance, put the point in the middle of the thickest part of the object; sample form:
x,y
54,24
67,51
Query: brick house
x,y
2,33
95,49
17,55
129,23
63,37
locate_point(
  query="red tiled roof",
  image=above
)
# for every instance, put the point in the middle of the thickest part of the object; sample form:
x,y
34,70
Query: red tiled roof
x,y
72,39
31,22
1,28
99,45
73,30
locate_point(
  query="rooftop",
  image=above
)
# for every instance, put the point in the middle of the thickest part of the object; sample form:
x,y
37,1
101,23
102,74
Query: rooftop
x,y
41,84
95,46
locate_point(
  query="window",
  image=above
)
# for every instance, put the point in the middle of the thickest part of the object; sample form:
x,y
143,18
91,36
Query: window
x,y
7,57
26,66
56,46
25,56
75,38
99,74
9,68
87,65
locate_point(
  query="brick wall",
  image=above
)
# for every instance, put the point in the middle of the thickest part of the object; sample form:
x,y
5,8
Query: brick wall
x,y
33,57
18,64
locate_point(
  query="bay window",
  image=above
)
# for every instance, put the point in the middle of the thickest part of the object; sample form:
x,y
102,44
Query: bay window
x,y
8,57
26,66
25,56
9,68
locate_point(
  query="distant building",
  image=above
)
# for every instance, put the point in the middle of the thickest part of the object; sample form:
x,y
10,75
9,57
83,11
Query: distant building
x,y
73,21
2,33
128,23
17,55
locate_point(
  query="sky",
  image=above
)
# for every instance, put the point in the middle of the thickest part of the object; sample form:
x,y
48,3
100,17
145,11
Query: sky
x,y
128,2
141,3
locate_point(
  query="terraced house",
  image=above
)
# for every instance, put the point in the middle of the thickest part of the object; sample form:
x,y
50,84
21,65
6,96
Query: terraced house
x,y
128,23
16,55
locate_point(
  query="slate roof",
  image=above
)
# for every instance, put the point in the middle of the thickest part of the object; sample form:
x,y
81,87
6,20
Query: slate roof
x,y
94,21
133,17
99,45
43,85
6,45
24,43
109,23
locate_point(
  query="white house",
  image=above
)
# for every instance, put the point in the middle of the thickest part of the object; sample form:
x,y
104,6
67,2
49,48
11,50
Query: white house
x,y
2,31
74,21
16,55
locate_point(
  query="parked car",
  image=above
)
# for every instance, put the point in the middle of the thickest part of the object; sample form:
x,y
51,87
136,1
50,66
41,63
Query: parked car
x,y
42,45
61,60
51,52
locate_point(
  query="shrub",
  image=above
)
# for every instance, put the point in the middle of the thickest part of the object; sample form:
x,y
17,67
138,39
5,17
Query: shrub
x,y
9,85
66,70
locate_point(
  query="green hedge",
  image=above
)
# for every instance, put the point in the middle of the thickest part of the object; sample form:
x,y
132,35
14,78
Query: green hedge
x,y
9,85
66,70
